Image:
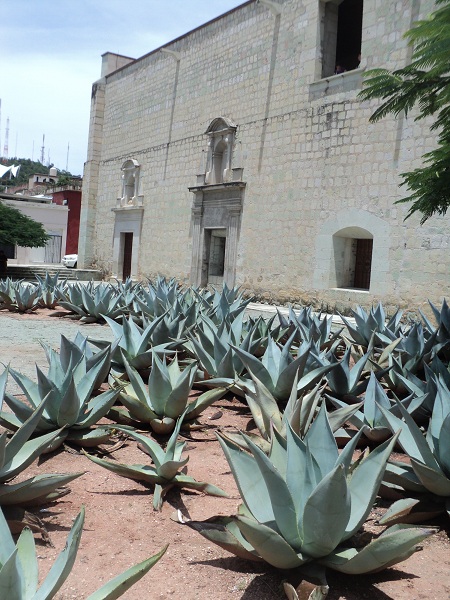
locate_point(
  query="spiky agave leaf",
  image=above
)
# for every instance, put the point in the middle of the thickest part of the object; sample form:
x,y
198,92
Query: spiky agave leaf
x,y
167,470
19,572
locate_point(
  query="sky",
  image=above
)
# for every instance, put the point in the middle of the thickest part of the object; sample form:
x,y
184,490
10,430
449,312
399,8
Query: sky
x,y
50,55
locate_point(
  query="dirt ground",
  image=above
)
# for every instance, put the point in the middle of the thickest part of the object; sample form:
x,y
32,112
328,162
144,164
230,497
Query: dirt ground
x,y
121,527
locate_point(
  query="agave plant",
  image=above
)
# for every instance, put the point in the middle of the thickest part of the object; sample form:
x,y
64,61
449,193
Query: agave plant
x,y
304,502
167,396
228,303
256,333
428,474
20,296
442,318
277,368
49,287
69,402
417,347
160,297
78,351
370,419
168,470
93,303
298,414
17,453
311,327
366,324
128,289
212,347
133,345
345,381
19,570
436,368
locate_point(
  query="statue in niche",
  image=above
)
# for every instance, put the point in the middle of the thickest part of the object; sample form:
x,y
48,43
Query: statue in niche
x,y
130,183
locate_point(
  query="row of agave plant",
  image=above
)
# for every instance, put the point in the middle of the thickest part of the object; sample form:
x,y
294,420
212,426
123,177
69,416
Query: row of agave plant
x,y
303,501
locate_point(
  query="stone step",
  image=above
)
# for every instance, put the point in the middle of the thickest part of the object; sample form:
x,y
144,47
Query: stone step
x,y
28,272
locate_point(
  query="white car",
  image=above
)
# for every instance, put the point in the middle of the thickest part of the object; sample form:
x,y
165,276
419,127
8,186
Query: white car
x,y
70,260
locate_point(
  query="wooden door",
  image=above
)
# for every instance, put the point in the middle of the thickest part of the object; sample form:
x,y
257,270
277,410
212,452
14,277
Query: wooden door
x,y
363,264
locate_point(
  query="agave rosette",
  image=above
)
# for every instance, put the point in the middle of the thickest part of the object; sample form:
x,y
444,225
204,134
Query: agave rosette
x,y
304,502
92,303
427,477
299,414
369,417
133,344
167,396
69,401
278,369
18,452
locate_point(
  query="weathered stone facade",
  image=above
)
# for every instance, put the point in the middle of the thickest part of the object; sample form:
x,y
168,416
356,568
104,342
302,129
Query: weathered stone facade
x,y
292,177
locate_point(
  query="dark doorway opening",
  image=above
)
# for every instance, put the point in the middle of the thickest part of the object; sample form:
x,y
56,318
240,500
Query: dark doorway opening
x,y
127,254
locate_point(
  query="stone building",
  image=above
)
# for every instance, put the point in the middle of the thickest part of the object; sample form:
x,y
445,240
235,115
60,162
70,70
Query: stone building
x,y
235,153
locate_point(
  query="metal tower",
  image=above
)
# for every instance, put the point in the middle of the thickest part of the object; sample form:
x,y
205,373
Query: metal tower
x,y
43,149
5,147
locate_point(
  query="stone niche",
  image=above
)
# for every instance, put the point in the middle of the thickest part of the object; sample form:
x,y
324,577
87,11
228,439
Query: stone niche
x,y
130,193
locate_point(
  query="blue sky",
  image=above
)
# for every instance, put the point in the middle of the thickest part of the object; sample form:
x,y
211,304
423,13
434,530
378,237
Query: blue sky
x,y
51,54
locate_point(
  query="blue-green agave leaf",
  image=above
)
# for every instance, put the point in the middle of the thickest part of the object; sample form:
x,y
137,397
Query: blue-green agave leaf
x,y
26,554
251,485
326,514
322,443
394,545
63,563
271,546
364,484
281,499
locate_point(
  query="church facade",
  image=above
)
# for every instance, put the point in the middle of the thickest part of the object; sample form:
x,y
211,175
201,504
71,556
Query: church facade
x,y
240,153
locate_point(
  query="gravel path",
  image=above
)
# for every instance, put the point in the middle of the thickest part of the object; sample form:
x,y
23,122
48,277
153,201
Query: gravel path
x,y
20,337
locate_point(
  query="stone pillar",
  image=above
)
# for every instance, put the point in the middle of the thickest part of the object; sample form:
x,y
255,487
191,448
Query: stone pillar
x,y
86,250
231,248
197,240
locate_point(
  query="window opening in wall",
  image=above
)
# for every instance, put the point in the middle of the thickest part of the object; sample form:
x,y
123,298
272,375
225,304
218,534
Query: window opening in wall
x,y
341,36
352,248
127,243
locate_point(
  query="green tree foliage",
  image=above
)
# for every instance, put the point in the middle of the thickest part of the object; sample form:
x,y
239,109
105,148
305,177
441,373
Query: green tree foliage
x,y
18,229
425,83
27,168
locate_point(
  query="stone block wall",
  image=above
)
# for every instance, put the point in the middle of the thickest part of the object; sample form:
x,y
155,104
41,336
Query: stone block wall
x,y
313,165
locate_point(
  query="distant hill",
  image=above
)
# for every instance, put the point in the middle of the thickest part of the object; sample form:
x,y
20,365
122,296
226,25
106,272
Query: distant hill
x,y
28,167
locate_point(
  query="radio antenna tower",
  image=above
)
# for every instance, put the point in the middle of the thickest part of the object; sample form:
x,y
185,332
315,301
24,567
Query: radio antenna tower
x,y
43,149
5,147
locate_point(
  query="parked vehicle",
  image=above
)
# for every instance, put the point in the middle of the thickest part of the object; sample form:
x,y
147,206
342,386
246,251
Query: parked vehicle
x,y
70,261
